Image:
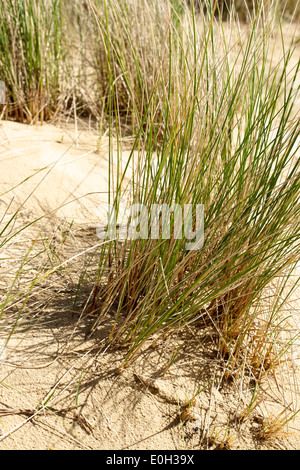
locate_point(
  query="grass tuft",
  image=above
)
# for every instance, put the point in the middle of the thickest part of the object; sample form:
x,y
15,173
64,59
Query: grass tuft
x,y
212,127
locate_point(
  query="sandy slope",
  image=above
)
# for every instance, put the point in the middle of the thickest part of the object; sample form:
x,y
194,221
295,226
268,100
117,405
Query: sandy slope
x,y
66,171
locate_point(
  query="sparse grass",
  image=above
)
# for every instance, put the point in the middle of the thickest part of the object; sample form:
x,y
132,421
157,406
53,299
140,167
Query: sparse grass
x,y
244,9
256,399
275,426
221,439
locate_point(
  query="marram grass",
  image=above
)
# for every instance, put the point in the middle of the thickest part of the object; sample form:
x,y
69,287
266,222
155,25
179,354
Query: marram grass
x,y
31,58
211,128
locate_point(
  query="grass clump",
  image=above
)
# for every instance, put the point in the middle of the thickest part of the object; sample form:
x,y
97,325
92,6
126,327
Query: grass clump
x,y
215,128
31,58
274,426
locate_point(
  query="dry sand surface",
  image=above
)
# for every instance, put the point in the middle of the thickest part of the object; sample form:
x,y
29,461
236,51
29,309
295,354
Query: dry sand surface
x,y
48,359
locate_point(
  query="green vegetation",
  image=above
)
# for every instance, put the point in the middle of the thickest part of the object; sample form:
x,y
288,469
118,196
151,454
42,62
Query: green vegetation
x,y
224,136
210,119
